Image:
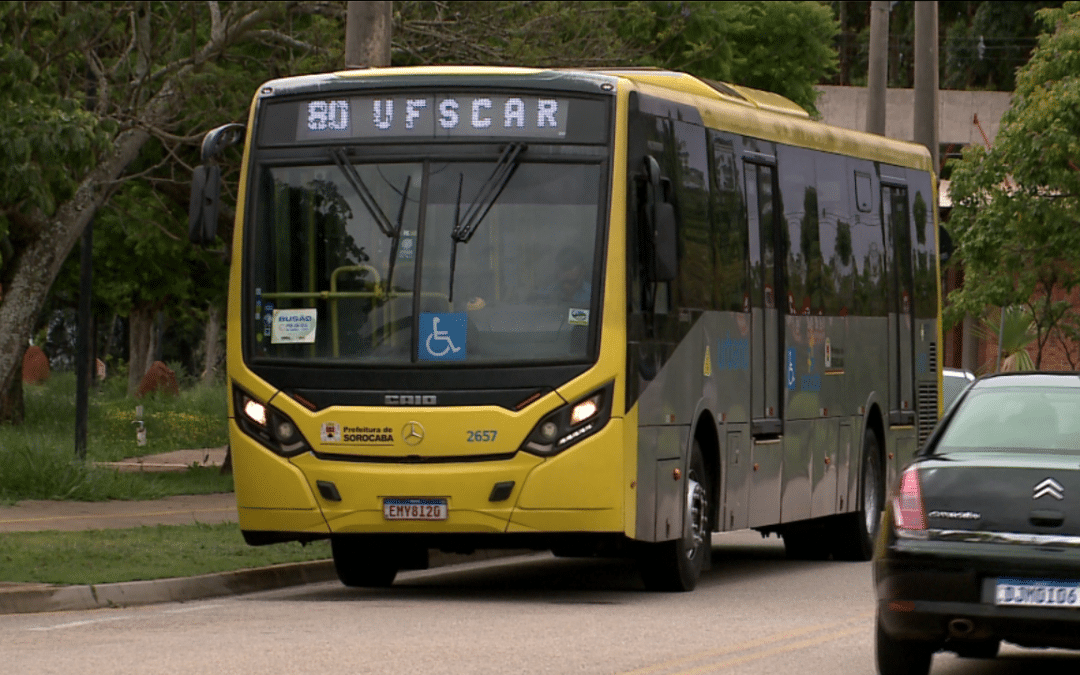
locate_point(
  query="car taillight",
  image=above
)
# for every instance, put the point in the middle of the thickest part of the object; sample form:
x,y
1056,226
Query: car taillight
x,y
908,505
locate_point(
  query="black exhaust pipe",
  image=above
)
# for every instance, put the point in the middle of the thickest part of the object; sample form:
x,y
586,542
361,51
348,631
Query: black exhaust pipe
x,y
961,627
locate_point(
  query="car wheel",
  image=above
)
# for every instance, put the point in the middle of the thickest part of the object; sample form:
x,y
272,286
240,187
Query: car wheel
x,y
677,565
901,657
358,566
855,532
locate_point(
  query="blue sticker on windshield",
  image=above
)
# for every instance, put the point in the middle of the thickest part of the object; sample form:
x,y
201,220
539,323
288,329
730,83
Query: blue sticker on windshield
x,y
442,337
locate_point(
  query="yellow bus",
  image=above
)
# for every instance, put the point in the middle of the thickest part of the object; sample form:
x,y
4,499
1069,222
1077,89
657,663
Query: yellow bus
x,y
597,312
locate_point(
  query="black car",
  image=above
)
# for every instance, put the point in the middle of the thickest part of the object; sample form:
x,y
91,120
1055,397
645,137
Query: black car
x,y
981,541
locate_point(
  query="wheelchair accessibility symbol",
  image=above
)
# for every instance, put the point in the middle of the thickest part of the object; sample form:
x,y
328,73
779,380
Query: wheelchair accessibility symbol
x,y
442,337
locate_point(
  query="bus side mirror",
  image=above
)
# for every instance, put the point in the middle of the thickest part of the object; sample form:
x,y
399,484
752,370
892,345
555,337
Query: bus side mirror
x,y
945,244
662,226
206,183
203,208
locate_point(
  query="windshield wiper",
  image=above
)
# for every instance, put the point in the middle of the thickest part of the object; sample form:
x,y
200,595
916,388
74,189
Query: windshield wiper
x,y
391,230
465,226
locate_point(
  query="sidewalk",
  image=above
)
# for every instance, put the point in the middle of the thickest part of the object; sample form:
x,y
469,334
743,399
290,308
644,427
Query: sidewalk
x,y
40,515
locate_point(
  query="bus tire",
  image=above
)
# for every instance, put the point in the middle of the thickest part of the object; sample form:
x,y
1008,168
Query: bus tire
x,y
856,532
359,566
675,566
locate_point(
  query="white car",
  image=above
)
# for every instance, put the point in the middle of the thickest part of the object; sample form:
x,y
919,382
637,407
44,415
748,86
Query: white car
x,y
954,381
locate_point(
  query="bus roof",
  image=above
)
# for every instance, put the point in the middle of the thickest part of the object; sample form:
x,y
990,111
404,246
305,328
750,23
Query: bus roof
x,y
725,106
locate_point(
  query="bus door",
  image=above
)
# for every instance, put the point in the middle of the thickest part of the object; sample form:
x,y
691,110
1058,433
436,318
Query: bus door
x,y
896,219
768,368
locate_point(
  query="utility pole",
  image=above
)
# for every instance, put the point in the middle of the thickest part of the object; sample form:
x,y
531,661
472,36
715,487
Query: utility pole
x,y
84,356
85,342
878,77
367,34
926,78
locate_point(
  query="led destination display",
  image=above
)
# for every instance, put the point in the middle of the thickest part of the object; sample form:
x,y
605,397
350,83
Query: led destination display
x,y
427,116
433,116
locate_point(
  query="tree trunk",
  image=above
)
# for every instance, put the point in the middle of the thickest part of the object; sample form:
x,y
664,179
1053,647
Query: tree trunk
x,y
140,336
211,338
11,399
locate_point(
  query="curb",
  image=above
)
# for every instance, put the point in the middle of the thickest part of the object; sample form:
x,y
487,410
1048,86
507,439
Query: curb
x,y
33,598
36,598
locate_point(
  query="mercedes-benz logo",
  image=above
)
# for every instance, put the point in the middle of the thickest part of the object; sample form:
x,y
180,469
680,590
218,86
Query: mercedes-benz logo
x,y
412,433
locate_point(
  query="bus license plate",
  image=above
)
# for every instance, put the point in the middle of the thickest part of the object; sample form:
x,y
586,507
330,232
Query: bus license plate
x,y
414,509
1037,593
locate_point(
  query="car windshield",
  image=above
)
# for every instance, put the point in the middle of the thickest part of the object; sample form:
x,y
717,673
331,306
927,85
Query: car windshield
x,y
423,262
1015,418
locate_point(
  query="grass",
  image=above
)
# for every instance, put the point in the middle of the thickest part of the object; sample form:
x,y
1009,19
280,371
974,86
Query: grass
x,y
159,552
37,461
37,458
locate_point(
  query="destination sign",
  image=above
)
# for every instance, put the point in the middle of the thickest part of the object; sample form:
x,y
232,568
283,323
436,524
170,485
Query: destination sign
x,y
430,116
433,116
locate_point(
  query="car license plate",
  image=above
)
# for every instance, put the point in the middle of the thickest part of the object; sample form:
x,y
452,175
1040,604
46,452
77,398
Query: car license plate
x,y
1037,593
414,509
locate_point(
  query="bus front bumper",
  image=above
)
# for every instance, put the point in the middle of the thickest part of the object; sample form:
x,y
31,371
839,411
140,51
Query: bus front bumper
x,y
523,494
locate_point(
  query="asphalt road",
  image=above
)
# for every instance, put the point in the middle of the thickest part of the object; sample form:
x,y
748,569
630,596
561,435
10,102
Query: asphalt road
x,y
755,613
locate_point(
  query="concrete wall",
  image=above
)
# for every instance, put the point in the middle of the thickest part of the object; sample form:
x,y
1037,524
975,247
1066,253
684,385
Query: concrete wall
x,y
846,107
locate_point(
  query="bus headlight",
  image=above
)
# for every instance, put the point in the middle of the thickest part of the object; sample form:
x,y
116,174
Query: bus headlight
x,y
548,431
571,423
269,426
286,432
584,410
255,411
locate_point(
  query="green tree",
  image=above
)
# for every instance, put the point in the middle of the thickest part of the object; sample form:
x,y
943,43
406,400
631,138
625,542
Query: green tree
x,y
85,90
1016,206
982,45
102,107
782,47
986,42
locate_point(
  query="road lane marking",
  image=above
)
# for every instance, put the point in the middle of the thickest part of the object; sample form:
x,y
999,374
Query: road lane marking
x,y
752,644
185,610
790,647
137,613
77,624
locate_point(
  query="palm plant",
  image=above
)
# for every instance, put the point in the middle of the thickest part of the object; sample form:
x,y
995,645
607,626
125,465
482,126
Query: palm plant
x,y
1012,329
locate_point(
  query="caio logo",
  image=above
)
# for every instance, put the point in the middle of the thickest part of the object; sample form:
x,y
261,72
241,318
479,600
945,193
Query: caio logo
x,y
411,399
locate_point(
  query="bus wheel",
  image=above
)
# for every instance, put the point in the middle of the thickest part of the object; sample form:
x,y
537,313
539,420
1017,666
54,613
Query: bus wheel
x,y
362,566
857,531
677,565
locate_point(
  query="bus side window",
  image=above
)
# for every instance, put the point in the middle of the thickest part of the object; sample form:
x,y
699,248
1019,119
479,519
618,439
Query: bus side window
x,y
661,226
694,288
730,245
800,239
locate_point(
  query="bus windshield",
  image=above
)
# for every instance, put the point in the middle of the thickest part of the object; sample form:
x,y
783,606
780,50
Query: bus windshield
x,y
425,262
